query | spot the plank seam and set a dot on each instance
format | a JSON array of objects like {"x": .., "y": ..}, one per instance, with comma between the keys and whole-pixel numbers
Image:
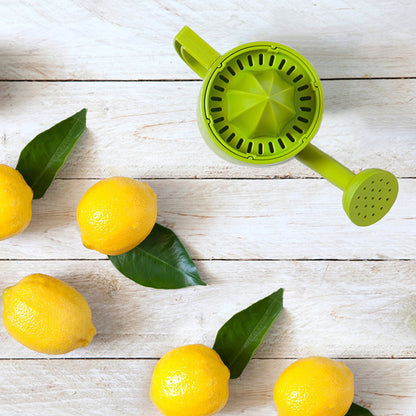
[
  {"x": 232, "y": 260},
  {"x": 191, "y": 79},
  {"x": 158, "y": 358},
  {"x": 209, "y": 178}
]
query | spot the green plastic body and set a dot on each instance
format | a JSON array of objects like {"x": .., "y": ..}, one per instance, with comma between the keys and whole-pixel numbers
[
  {"x": 252, "y": 111},
  {"x": 261, "y": 103},
  {"x": 326, "y": 166},
  {"x": 368, "y": 195}
]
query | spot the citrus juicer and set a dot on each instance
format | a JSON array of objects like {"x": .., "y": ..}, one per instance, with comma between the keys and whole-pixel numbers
[{"x": 261, "y": 103}]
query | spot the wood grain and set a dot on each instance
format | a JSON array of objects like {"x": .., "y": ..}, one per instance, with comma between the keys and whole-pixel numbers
[
  {"x": 120, "y": 387},
  {"x": 334, "y": 308},
  {"x": 134, "y": 39},
  {"x": 349, "y": 294},
  {"x": 144, "y": 130},
  {"x": 234, "y": 219}
]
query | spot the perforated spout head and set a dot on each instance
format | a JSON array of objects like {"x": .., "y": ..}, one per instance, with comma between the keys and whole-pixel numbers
[{"x": 369, "y": 196}]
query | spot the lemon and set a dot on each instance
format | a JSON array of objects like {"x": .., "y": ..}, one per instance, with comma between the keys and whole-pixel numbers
[
  {"x": 190, "y": 381},
  {"x": 314, "y": 386},
  {"x": 47, "y": 315},
  {"x": 15, "y": 202},
  {"x": 116, "y": 214}
]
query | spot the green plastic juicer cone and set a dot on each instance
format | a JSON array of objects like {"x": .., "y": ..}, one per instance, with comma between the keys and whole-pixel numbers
[{"x": 261, "y": 103}]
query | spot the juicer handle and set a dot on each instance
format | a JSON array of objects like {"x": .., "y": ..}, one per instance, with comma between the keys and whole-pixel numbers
[
  {"x": 196, "y": 53},
  {"x": 326, "y": 166}
]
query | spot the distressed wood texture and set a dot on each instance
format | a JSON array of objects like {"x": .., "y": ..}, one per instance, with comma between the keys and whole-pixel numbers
[
  {"x": 83, "y": 39},
  {"x": 349, "y": 291},
  {"x": 234, "y": 219},
  {"x": 121, "y": 387},
  {"x": 149, "y": 129},
  {"x": 345, "y": 309}
]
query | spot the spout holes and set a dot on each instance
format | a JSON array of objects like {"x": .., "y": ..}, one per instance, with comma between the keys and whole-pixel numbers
[
  {"x": 290, "y": 137},
  {"x": 282, "y": 63},
  {"x": 271, "y": 60},
  {"x": 290, "y": 70},
  {"x": 250, "y": 60},
  {"x": 230, "y": 137},
  {"x": 240, "y": 64}
]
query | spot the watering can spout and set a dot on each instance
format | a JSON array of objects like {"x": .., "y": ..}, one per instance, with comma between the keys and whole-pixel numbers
[
  {"x": 368, "y": 196},
  {"x": 326, "y": 166}
]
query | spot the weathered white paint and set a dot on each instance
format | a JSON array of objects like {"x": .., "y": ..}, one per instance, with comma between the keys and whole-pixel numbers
[
  {"x": 121, "y": 387},
  {"x": 334, "y": 308},
  {"x": 234, "y": 219},
  {"x": 149, "y": 129},
  {"x": 361, "y": 311},
  {"x": 83, "y": 39}
]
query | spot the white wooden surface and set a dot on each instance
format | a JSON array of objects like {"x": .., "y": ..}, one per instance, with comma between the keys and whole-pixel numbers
[{"x": 349, "y": 292}]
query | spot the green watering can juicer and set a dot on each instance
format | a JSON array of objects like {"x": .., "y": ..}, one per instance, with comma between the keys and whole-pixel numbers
[{"x": 261, "y": 104}]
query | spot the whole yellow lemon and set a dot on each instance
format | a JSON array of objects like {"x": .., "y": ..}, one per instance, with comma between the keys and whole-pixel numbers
[
  {"x": 47, "y": 315},
  {"x": 314, "y": 386},
  {"x": 190, "y": 381},
  {"x": 15, "y": 202},
  {"x": 116, "y": 214}
]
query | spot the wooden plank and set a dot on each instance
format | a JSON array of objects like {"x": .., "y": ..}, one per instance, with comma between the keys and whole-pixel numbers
[
  {"x": 149, "y": 129},
  {"x": 238, "y": 219},
  {"x": 134, "y": 40},
  {"x": 335, "y": 308},
  {"x": 35, "y": 388}
]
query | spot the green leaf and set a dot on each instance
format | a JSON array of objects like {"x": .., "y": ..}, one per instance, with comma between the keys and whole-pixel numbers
[
  {"x": 356, "y": 410},
  {"x": 42, "y": 159},
  {"x": 160, "y": 261},
  {"x": 239, "y": 338}
]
